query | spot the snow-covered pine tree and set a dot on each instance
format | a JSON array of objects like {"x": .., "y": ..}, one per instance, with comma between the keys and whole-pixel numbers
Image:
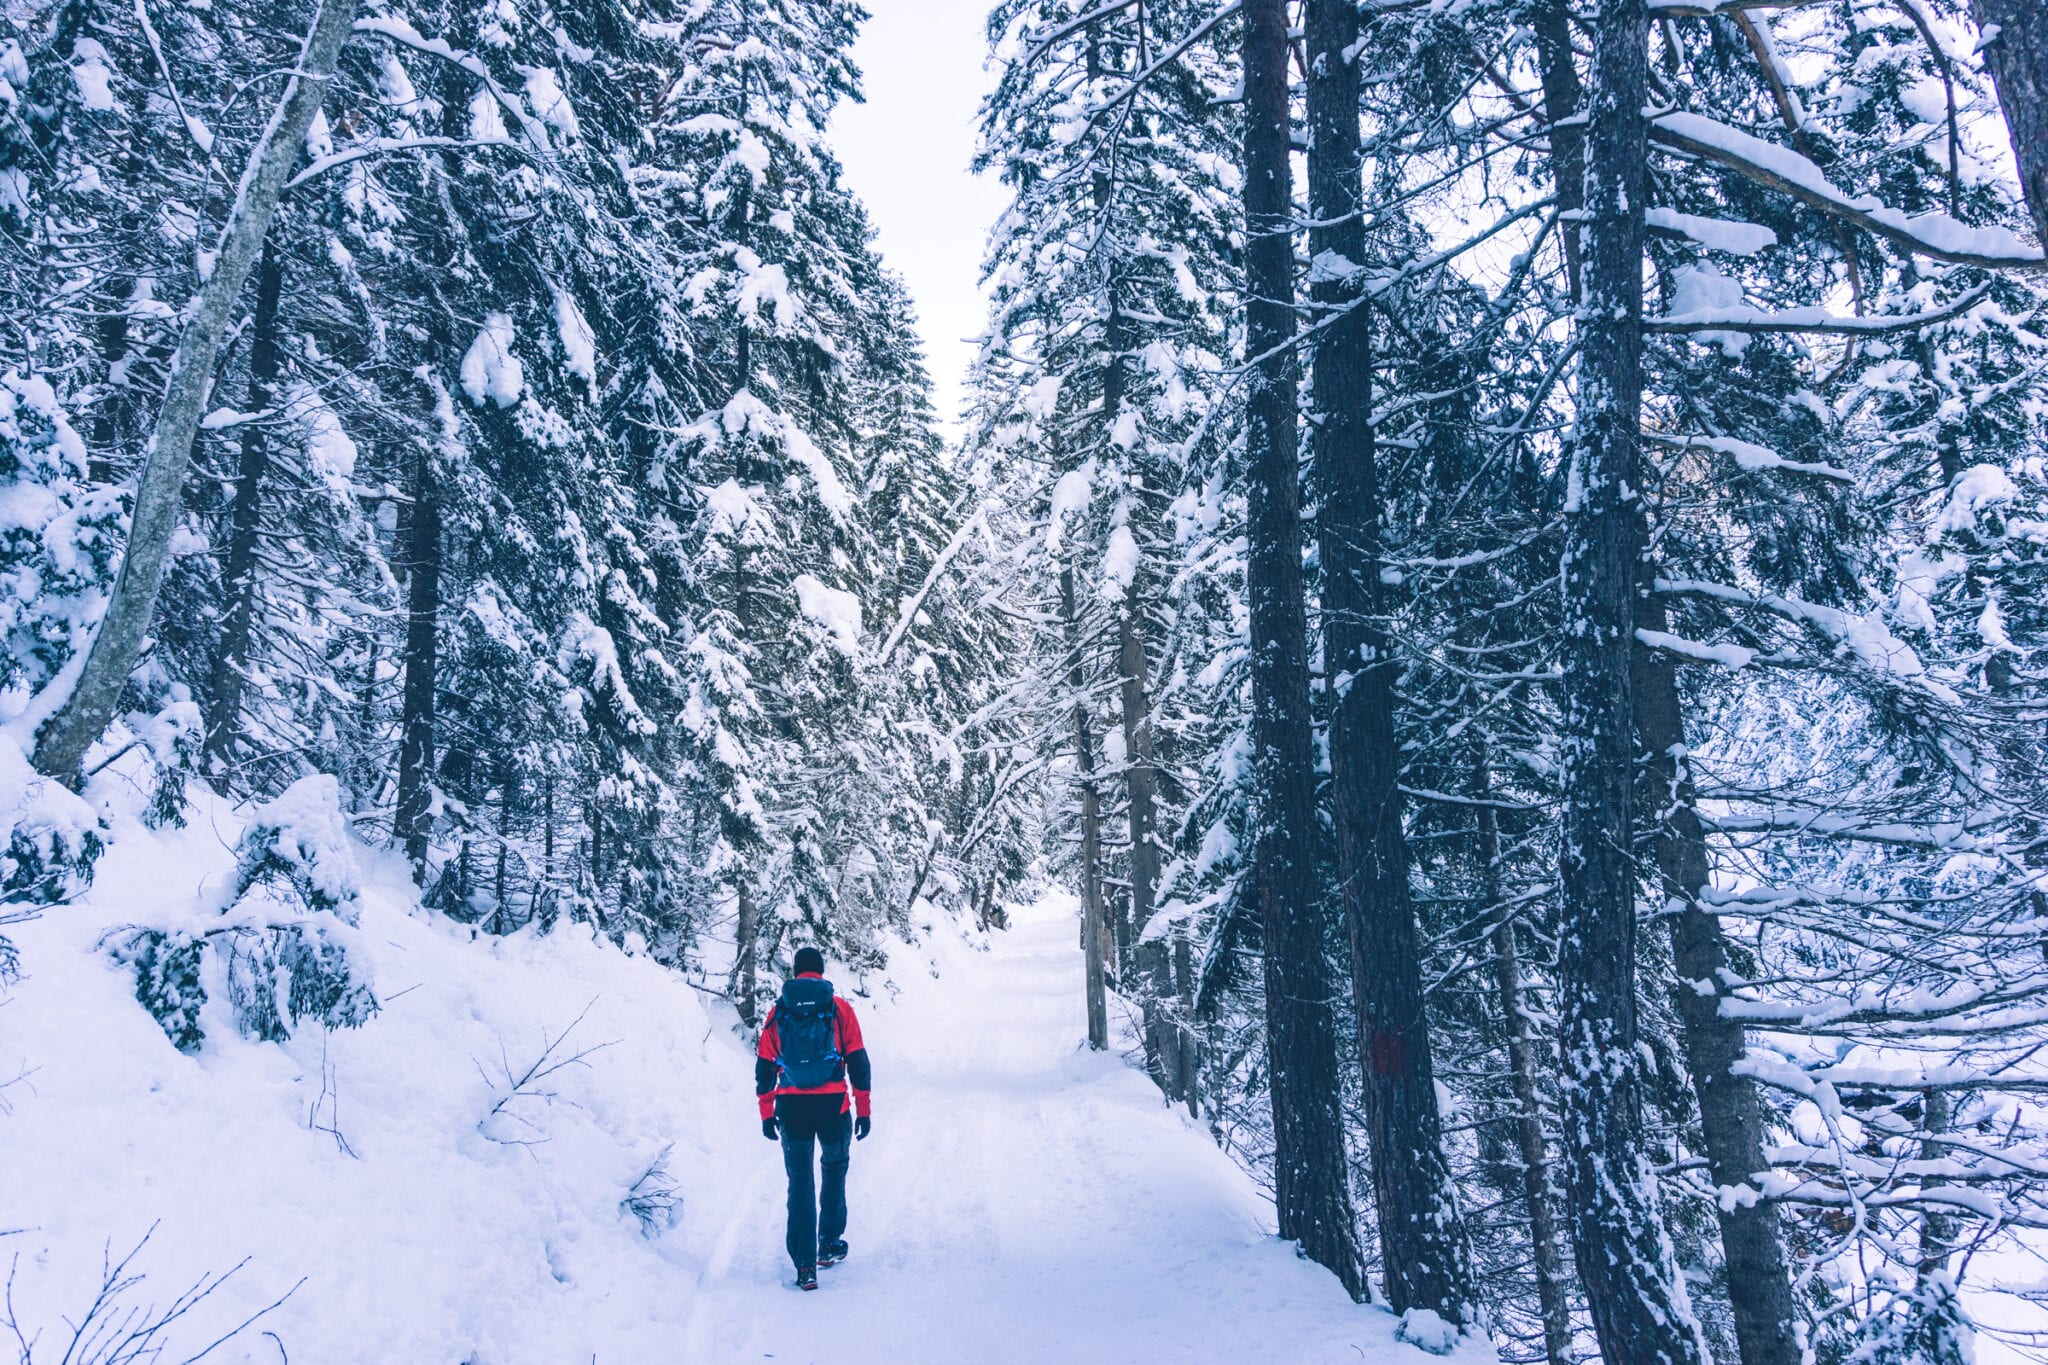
[{"x": 1113, "y": 280}]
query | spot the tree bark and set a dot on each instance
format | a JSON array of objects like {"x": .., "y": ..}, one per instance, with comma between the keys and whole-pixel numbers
[
  {"x": 746, "y": 954},
  {"x": 2018, "y": 58},
  {"x": 1094, "y": 932},
  {"x": 1551, "y": 21},
  {"x": 412, "y": 819},
  {"x": 1310, "y": 1167},
  {"x": 1731, "y": 1114},
  {"x": 1141, "y": 790},
  {"x": 1422, "y": 1250},
  {"x": 1538, "y": 1192},
  {"x": 245, "y": 521},
  {"x": 1939, "y": 1227},
  {"x": 82, "y": 715},
  {"x": 1638, "y": 1305}
]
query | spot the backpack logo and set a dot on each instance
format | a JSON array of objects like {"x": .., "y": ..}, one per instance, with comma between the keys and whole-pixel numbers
[{"x": 806, "y": 1020}]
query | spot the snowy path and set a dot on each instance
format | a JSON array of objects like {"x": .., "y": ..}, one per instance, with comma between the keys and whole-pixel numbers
[
  {"x": 1024, "y": 1201},
  {"x": 1021, "y": 1200}
]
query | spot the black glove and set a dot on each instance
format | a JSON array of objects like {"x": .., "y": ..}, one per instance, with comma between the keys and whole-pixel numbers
[
  {"x": 862, "y": 1126},
  {"x": 768, "y": 1129}
]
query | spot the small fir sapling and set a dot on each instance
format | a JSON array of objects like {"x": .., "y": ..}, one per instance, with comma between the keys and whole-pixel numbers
[
  {"x": 277, "y": 974},
  {"x": 167, "y": 984}
]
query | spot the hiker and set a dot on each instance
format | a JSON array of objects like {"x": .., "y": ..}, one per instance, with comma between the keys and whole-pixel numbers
[{"x": 810, "y": 1048}]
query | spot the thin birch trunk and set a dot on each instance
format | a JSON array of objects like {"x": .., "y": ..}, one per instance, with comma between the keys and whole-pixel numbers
[{"x": 159, "y": 495}]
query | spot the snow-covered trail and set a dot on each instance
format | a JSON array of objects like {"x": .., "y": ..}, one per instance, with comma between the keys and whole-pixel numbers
[{"x": 1023, "y": 1200}]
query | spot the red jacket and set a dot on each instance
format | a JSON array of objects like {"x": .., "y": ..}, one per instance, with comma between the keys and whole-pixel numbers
[{"x": 855, "y": 1067}]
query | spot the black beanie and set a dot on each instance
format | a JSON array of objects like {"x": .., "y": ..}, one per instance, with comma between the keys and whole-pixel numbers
[{"x": 809, "y": 960}]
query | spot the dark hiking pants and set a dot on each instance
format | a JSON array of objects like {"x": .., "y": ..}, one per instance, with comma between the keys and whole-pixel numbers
[{"x": 817, "y": 1214}]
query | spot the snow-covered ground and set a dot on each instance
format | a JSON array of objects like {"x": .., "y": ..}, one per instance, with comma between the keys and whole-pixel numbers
[{"x": 1020, "y": 1200}]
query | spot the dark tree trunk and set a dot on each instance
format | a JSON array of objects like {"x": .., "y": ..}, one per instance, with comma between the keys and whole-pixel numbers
[
  {"x": 1421, "y": 1235},
  {"x": 1551, "y": 22},
  {"x": 245, "y": 522},
  {"x": 113, "y": 330},
  {"x": 1524, "y": 1059},
  {"x": 1731, "y": 1114},
  {"x": 1141, "y": 788},
  {"x": 1939, "y": 1230},
  {"x": 746, "y": 955},
  {"x": 1190, "y": 1039},
  {"x": 412, "y": 822},
  {"x": 367, "y": 784},
  {"x": 1130, "y": 919},
  {"x": 1095, "y": 943},
  {"x": 2018, "y": 58},
  {"x": 1623, "y": 1255},
  {"x": 1309, "y": 1163}
]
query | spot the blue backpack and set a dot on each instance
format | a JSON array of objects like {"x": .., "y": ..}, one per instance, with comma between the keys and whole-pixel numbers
[{"x": 807, "y": 1021}]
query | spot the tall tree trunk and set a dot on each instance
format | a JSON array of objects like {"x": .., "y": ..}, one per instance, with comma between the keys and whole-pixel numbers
[
  {"x": 1141, "y": 789},
  {"x": 1551, "y": 22},
  {"x": 82, "y": 714},
  {"x": 1422, "y": 1249},
  {"x": 1095, "y": 941},
  {"x": 113, "y": 330},
  {"x": 1639, "y": 1310},
  {"x": 1310, "y": 1167},
  {"x": 1524, "y": 1060},
  {"x": 412, "y": 821},
  {"x": 2018, "y": 58},
  {"x": 1731, "y": 1114},
  {"x": 1939, "y": 1228},
  {"x": 746, "y": 956},
  {"x": 367, "y": 783},
  {"x": 245, "y": 522}
]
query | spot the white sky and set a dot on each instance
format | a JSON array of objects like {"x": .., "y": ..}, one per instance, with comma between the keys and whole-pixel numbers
[{"x": 906, "y": 153}]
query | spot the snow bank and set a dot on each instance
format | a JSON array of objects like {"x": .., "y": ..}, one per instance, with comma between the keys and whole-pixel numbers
[
  {"x": 361, "y": 1159},
  {"x": 408, "y": 1197}
]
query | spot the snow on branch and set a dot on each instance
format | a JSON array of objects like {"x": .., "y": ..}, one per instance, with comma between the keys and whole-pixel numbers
[
  {"x": 1750, "y": 456},
  {"x": 1780, "y": 168},
  {"x": 1706, "y": 9},
  {"x": 1168, "y": 58},
  {"x": 907, "y": 613},
  {"x": 1042, "y": 43},
  {"x": 384, "y": 146},
  {"x": 1731, "y": 235},
  {"x": 1743, "y": 318},
  {"x": 1730, "y": 657},
  {"x": 1866, "y": 638},
  {"x": 403, "y": 33}
]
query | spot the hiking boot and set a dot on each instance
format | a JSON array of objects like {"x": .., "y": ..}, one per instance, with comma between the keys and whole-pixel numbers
[
  {"x": 831, "y": 1253},
  {"x": 807, "y": 1277}
]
